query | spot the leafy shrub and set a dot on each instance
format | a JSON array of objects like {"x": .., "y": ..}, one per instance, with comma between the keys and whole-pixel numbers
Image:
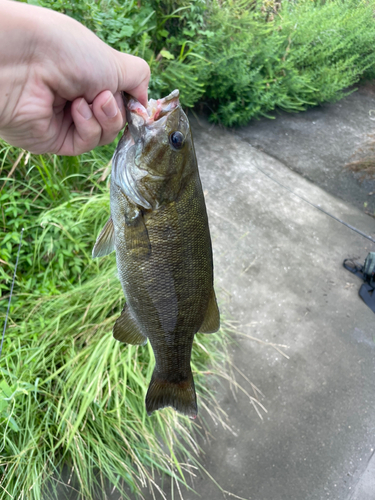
[
  {"x": 308, "y": 54},
  {"x": 244, "y": 58}
]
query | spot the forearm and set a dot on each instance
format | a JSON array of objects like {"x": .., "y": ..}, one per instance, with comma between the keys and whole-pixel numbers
[{"x": 18, "y": 23}]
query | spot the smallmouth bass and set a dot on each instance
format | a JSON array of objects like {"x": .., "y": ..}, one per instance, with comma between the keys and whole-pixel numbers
[{"x": 159, "y": 230}]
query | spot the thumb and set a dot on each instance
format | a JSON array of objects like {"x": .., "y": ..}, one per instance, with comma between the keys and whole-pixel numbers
[{"x": 133, "y": 75}]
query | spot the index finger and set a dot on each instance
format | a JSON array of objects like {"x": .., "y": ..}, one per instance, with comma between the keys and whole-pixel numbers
[{"x": 134, "y": 75}]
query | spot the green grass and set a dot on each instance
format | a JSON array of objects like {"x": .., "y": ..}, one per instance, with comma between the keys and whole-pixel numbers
[
  {"x": 70, "y": 395},
  {"x": 50, "y": 197}
]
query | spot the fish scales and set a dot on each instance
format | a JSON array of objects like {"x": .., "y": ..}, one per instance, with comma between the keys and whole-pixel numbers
[{"x": 163, "y": 250}]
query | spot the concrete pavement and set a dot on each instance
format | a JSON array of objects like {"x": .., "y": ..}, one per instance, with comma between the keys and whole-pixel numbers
[
  {"x": 281, "y": 261},
  {"x": 319, "y": 142}
]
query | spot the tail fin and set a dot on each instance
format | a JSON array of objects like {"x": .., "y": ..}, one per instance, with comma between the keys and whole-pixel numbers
[{"x": 180, "y": 395}]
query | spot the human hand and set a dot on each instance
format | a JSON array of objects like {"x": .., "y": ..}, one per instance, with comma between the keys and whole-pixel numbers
[{"x": 60, "y": 84}]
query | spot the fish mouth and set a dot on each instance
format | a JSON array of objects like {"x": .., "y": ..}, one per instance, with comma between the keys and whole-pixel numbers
[
  {"x": 137, "y": 115},
  {"x": 143, "y": 122}
]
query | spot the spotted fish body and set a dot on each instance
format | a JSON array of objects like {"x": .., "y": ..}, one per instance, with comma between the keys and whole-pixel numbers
[{"x": 160, "y": 232}]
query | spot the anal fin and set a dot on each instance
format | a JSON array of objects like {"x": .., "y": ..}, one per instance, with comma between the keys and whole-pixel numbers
[
  {"x": 127, "y": 330},
  {"x": 211, "y": 322}
]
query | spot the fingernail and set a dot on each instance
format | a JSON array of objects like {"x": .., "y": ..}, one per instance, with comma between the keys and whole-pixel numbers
[
  {"x": 84, "y": 109},
  {"x": 110, "y": 108}
]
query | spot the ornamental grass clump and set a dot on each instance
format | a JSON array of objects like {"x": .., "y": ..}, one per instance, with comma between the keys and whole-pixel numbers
[{"x": 71, "y": 395}]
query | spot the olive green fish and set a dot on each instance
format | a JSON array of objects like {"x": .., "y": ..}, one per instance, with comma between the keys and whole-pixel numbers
[{"x": 159, "y": 229}]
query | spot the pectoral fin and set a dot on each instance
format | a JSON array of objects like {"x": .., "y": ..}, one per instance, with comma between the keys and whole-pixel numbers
[
  {"x": 127, "y": 330},
  {"x": 211, "y": 322},
  {"x": 136, "y": 236},
  {"x": 105, "y": 244}
]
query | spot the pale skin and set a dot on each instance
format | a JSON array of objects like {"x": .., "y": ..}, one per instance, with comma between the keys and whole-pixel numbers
[{"x": 60, "y": 84}]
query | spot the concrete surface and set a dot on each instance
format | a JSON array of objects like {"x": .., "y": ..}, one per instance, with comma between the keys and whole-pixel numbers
[
  {"x": 279, "y": 277},
  {"x": 319, "y": 142},
  {"x": 281, "y": 261}
]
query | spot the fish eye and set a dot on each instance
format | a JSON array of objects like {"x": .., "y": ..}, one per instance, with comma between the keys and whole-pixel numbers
[{"x": 177, "y": 139}]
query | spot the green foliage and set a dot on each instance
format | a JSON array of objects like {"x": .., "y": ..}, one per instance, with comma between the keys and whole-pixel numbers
[
  {"x": 308, "y": 54},
  {"x": 70, "y": 394},
  {"x": 44, "y": 195},
  {"x": 242, "y": 58}
]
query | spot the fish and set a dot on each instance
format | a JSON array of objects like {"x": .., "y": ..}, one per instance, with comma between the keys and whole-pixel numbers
[{"x": 159, "y": 230}]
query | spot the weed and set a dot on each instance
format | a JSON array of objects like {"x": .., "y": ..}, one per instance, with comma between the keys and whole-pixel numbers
[{"x": 73, "y": 395}]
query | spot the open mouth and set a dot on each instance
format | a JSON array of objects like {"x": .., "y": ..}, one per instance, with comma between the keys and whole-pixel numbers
[{"x": 156, "y": 108}]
